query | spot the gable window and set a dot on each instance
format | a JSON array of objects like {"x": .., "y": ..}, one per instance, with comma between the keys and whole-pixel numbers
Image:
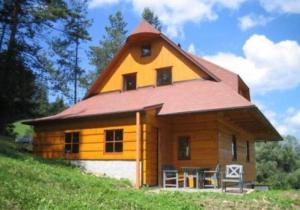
[
  {"x": 234, "y": 148},
  {"x": 129, "y": 81},
  {"x": 72, "y": 142},
  {"x": 114, "y": 140},
  {"x": 184, "y": 148},
  {"x": 248, "y": 151},
  {"x": 164, "y": 76},
  {"x": 145, "y": 50}
]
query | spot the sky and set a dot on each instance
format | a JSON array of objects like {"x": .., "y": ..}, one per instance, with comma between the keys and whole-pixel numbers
[{"x": 258, "y": 39}]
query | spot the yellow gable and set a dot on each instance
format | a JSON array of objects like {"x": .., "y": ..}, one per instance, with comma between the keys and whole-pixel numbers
[{"x": 162, "y": 55}]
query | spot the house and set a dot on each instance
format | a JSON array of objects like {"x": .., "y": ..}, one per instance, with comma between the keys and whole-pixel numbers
[{"x": 156, "y": 104}]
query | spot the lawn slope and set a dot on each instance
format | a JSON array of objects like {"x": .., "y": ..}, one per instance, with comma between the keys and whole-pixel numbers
[{"x": 32, "y": 183}]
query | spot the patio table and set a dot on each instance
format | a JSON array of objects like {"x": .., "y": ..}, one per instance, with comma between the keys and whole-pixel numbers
[{"x": 192, "y": 173}]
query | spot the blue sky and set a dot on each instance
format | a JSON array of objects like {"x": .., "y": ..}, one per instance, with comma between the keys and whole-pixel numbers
[{"x": 259, "y": 39}]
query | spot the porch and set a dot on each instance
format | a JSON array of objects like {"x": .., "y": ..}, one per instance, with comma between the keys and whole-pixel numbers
[{"x": 198, "y": 140}]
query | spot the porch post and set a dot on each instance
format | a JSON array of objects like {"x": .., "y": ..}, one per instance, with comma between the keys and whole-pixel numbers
[{"x": 138, "y": 151}]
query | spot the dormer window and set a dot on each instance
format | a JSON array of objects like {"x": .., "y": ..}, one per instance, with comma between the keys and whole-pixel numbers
[
  {"x": 164, "y": 76},
  {"x": 145, "y": 50},
  {"x": 129, "y": 81}
]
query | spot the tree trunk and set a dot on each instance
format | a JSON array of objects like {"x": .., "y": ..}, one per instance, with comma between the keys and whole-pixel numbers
[
  {"x": 13, "y": 31},
  {"x": 2, "y": 35},
  {"x": 76, "y": 70}
]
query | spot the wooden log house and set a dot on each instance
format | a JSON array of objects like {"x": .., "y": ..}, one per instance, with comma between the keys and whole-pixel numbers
[{"x": 157, "y": 104}]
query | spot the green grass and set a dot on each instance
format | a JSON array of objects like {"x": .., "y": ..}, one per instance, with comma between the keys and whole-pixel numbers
[
  {"x": 32, "y": 183},
  {"x": 21, "y": 129}
]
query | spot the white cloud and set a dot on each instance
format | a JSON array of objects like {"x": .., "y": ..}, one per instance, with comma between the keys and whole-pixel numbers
[
  {"x": 281, "y": 6},
  {"x": 295, "y": 119},
  {"x": 101, "y": 3},
  {"x": 174, "y": 14},
  {"x": 287, "y": 122},
  {"x": 192, "y": 48},
  {"x": 231, "y": 4},
  {"x": 249, "y": 21},
  {"x": 265, "y": 65}
]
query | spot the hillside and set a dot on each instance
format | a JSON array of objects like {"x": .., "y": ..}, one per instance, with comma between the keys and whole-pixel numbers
[{"x": 32, "y": 183}]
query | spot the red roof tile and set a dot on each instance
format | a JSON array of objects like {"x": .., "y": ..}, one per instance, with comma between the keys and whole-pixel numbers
[
  {"x": 225, "y": 75},
  {"x": 144, "y": 27},
  {"x": 181, "y": 97}
]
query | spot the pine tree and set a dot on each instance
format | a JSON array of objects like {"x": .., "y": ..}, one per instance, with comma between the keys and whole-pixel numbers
[
  {"x": 67, "y": 47},
  {"x": 112, "y": 40},
  {"x": 26, "y": 26},
  {"x": 57, "y": 106},
  {"x": 40, "y": 100},
  {"x": 152, "y": 18}
]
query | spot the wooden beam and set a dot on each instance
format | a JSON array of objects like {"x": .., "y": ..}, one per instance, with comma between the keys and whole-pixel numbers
[
  {"x": 233, "y": 126},
  {"x": 138, "y": 151}
]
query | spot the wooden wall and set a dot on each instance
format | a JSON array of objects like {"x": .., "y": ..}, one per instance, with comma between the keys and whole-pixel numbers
[
  {"x": 225, "y": 154},
  {"x": 157, "y": 134},
  {"x": 49, "y": 139},
  {"x": 202, "y": 128},
  {"x": 210, "y": 142},
  {"x": 162, "y": 55}
]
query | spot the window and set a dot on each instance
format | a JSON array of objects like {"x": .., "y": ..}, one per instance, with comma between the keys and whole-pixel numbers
[
  {"x": 129, "y": 81},
  {"x": 248, "y": 151},
  {"x": 146, "y": 50},
  {"x": 114, "y": 140},
  {"x": 164, "y": 76},
  {"x": 233, "y": 148},
  {"x": 184, "y": 150},
  {"x": 72, "y": 142}
]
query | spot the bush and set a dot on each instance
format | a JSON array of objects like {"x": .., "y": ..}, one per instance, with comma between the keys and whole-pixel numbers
[
  {"x": 294, "y": 179},
  {"x": 278, "y": 163}
]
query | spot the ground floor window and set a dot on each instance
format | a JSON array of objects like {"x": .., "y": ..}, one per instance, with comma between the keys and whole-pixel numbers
[
  {"x": 114, "y": 140},
  {"x": 184, "y": 148},
  {"x": 72, "y": 142},
  {"x": 234, "y": 148},
  {"x": 248, "y": 151}
]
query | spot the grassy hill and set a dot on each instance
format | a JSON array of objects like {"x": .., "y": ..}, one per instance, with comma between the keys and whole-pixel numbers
[
  {"x": 32, "y": 183},
  {"x": 21, "y": 129}
]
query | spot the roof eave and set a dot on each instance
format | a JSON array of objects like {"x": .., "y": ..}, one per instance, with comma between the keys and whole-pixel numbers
[
  {"x": 208, "y": 110},
  {"x": 278, "y": 136},
  {"x": 38, "y": 121}
]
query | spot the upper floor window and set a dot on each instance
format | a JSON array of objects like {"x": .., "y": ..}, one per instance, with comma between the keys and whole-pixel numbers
[
  {"x": 72, "y": 142},
  {"x": 129, "y": 81},
  {"x": 146, "y": 50},
  {"x": 247, "y": 151},
  {"x": 164, "y": 76},
  {"x": 184, "y": 149},
  {"x": 234, "y": 148},
  {"x": 114, "y": 140}
]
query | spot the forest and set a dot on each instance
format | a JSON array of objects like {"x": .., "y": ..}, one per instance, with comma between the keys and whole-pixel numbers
[{"x": 40, "y": 41}]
